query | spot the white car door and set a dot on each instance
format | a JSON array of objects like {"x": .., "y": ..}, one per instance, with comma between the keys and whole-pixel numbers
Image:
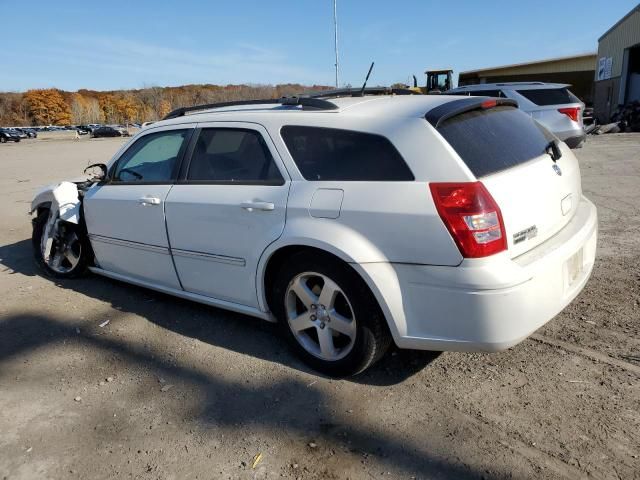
[
  {"x": 125, "y": 215},
  {"x": 228, "y": 207}
]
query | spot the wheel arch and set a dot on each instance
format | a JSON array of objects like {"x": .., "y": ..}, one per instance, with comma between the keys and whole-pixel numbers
[{"x": 383, "y": 292}]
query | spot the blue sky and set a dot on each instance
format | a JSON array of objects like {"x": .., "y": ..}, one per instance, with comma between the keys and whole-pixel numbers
[{"x": 113, "y": 44}]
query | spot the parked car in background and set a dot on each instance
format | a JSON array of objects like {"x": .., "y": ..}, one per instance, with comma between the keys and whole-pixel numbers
[
  {"x": 105, "y": 132},
  {"x": 7, "y": 135},
  {"x": 435, "y": 222},
  {"x": 124, "y": 131},
  {"x": 18, "y": 132},
  {"x": 30, "y": 132},
  {"x": 551, "y": 104},
  {"x": 83, "y": 129}
]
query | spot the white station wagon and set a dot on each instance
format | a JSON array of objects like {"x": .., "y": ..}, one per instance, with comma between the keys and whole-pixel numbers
[{"x": 434, "y": 222}]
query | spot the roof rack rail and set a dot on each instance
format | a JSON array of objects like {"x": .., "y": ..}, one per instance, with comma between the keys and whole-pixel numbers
[
  {"x": 358, "y": 92},
  {"x": 304, "y": 102}
]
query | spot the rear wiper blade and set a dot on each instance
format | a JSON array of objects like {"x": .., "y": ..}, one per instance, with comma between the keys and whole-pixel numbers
[{"x": 553, "y": 150}]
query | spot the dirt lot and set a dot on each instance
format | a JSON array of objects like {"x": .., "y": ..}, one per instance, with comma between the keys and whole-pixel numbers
[{"x": 171, "y": 390}]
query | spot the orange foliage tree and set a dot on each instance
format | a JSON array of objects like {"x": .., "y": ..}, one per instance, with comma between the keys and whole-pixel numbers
[{"x": 48, "y": 107}]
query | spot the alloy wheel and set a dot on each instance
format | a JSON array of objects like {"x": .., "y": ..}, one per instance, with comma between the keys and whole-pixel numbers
[
  {"x": 60, "y": 247},
  {"x": 320, "y": 316}
]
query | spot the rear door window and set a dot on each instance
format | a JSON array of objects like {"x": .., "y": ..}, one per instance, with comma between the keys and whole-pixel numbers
[
  {"x": 495, "y": 139},
  {"x": 549, "y": 96},
  {"x": 233, "y": 155},
  {"x": 323, "y": 154}
]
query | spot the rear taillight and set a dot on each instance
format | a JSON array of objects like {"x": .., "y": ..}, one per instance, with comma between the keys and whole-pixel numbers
[
  {"x": 571, "y": 112},
  {"x": 472, "y": 217}
]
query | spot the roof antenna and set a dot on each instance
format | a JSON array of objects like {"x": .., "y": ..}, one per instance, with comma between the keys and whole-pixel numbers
[{"x": 361, "y": 93}]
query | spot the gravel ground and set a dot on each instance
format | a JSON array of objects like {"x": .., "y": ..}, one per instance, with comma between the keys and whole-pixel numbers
[{"x": 169, "y": 389}]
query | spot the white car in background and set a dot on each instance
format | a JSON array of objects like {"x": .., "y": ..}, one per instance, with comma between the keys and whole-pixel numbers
[
  {"x": 434, "y": 222},
  {"x": 551, "y": 104}
]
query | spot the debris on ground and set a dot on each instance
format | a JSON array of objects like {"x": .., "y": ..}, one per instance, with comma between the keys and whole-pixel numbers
[
  {"x": 256, "y": 460},
  {"x": 104, "y": 324},
  {"x": 628, "y": 116}
]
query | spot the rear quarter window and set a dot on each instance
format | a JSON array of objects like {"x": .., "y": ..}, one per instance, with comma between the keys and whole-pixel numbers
[
  {"x": 492, "y": 140},
  {"x": 324, "y": 154},
  {"x": 549, "y": 96}
]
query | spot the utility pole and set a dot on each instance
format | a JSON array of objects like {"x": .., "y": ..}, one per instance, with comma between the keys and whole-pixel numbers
[{"x": 335, "y": 37}]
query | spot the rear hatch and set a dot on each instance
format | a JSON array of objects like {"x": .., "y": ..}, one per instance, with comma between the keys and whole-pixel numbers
[
  {"x": 506, "y": 150},
  {"x": 554, "y": 106}
]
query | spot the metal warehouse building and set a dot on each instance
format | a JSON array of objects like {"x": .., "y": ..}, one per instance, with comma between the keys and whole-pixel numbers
[
  {"x": 577, "y": 70},
  {"x": 617, "y": 77}
]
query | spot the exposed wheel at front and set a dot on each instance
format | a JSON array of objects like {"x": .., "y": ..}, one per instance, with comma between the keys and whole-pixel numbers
[
  {"x": 329, "y": 315},
  {"x": 60, "y": 249}
]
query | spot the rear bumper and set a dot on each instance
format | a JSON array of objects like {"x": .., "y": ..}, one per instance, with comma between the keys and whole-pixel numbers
[
  {"x": 488, "y": 304},
  {"x": 576, "y": 141}
]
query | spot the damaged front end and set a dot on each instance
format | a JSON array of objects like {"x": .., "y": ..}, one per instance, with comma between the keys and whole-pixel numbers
[{"x": 58, "y": 218}]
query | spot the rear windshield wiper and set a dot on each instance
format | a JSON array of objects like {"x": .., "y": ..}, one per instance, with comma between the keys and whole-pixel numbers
[{"x": 553, "y": 150}]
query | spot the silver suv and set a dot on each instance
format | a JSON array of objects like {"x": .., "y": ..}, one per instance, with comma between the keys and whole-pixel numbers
[{"x": 551, "y": 104}]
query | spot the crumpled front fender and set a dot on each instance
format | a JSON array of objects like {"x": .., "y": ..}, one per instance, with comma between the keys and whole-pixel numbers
[{"x": 63, "y": 199}]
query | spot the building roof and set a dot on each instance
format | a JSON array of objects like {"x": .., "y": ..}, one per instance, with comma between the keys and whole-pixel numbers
[
  {"x": 615, "y": 25},
  {"x": 535, "y": 62}
]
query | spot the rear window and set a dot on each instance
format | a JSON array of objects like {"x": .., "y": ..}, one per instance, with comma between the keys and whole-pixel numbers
[
  {"x": 549, "y": 96},
  {"x": 333, "y": 154},
  {"x": 495, "y": 139}
]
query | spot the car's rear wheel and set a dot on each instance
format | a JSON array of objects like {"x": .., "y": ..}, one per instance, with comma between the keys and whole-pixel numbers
[
  {"x": 60, "y": 249},
  {"x": 328, "y": 314}
]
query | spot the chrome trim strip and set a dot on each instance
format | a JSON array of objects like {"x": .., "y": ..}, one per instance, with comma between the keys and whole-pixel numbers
[
  {"x": 130, "y": 244},
  {"x": 209, "y": 256},
  {"x": 241, "y": 262}
]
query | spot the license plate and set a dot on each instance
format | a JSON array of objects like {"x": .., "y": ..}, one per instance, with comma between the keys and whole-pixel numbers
[{"x": 574, "y": 267}]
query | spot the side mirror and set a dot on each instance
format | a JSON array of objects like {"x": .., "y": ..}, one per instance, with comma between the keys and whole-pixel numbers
[{"x": 97, "y": 175}]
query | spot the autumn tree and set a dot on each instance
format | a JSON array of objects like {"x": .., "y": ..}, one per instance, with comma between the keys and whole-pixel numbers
[
  {"x": 52, "y": 106},
  {"x": 48, "y": 107}
]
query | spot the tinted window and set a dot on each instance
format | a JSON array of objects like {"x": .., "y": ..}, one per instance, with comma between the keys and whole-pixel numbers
[
  {"x": 332, "y": 154},
  {"x": 549, "y": 96},
  {"x": 495, "y": 139},
  {"x": 152, "y": 158},
  {"x": 232, "y": 155}
]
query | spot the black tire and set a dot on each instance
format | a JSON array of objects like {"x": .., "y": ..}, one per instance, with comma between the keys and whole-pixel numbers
[
  {"x": 372, "y": 338},
  {"x": 85, "y": 252},
  {"x": 3, "y": 140}
]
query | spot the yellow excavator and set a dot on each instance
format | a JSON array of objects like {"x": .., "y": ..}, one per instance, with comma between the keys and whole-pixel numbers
[{"x": 438, "y": 81}]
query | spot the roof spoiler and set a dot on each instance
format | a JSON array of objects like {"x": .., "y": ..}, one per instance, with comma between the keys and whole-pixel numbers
[{"x": 457, "y": 107}]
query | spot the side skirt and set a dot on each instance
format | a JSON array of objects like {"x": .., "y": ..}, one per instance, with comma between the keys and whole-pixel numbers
[{"x": 213, "y": 302}]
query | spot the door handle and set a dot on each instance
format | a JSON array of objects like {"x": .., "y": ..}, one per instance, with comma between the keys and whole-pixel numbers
[
  {"x": 149, "y": 201},
  {"x": 258, "y": 205}
]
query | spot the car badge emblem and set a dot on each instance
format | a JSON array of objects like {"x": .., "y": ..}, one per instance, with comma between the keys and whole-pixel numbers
[{"x": 556, "y": 169}]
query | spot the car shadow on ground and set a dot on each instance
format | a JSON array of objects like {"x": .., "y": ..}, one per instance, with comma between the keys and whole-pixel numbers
[
  {"x": 229, "y": 330},
  {"x": 223, "y": 404}
]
